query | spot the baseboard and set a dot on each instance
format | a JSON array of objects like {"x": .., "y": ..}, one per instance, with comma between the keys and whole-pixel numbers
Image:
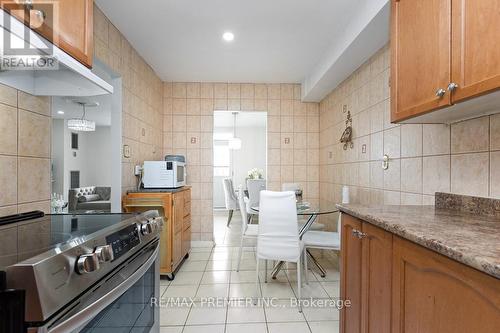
[{"x": 202, "y": 243}]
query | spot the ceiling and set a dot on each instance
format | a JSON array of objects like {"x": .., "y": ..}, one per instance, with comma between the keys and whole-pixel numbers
[
  {"x": 275, "y": 41},
  {"x": 101, "y": 114}
]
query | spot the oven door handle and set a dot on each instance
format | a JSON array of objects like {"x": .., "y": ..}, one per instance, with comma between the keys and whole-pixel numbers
[{"x": 88, "y": 313}]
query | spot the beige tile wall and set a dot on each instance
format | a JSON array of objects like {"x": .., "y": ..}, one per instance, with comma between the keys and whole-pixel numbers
[
  {"x": 25, "y": 131},
  {"x": 462, "y": 158},
  {"x": 142, "y": 116},
  {"x": 188, "y": 127},
  {"x": 25, "y": 125}
]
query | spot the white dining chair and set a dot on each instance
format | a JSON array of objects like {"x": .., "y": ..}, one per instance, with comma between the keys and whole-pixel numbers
[
  {"x": 323, "y": 240},
  {"x": 248, "y": 231},
  {"x": 231, "y": 200},
  {"x": 278, "y": 233},
  {"x": 294, "y": 187},
  {"x": 254, "y": 187}
]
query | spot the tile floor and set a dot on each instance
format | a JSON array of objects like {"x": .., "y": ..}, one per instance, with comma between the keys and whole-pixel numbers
[{"x": 211, "y": 272}]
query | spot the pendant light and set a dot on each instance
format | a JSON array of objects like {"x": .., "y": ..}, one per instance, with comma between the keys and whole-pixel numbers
[
  {"x": 234, "y": 143},
  {"x": 82, "y": 124}
]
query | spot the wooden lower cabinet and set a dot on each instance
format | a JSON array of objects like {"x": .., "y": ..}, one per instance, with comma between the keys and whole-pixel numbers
[
  {"x": 366, "y": 257},
  {"x": 376, "y": 273},
  {"x": 434, "y": 294},
  {"x": 175, "y": 241},
  {"x": 397, "y": 286},
  {"x": 350, "y": 275}
]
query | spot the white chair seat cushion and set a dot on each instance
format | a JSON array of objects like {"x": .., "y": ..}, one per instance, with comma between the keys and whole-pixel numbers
[
  {"x": 252, "y": 230},
  {"x": 281, "y": 254},
  {"x": 321, "y": 239}
]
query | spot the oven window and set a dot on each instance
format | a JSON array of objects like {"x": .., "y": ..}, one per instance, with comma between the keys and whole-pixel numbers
[
  {"x": 180, "y": 174},
  {"x": 131, "y": 312}
]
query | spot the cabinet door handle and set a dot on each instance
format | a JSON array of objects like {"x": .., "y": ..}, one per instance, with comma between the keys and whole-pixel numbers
[
  {"x": 359, "y": 234},
  {"x": 452, "y": 87},
  {"x": 440, "y": 92}
]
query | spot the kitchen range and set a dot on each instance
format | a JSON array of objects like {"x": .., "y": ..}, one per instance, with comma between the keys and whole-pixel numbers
[{"x": 82, "y": 273}]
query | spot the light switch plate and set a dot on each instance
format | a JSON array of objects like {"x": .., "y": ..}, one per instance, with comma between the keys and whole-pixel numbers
[{"x": 126, "y": 151}]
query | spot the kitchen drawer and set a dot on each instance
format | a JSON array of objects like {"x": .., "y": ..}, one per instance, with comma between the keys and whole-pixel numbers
[
  {"x": 186, "y": 241},
  {"x": 187, "y": 222},
  {"x": 187, "y": 202},
  {"x": 187, "y": 208}
]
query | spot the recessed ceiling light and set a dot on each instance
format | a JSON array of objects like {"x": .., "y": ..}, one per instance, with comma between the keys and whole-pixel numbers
[
  {"x": 60, "y": 112},
  {"x": 228, "y": 36}
]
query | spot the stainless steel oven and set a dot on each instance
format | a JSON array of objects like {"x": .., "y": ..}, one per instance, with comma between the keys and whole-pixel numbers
[
  {"x": 103, "y": 278},
  {"x": 123, "y": 302}
]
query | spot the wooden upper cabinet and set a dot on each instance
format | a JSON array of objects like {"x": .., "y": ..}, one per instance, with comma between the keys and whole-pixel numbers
[
  {"x": 75, "y": 31},
  {"x": 68, "y": 24},
  {"x": 421, "y": 56},
  {"x": 452, "y": 45},
  {"x": 476, "y": 47}
]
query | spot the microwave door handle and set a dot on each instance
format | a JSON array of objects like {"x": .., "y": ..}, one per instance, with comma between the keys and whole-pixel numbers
[{"x": 84, "y": 316}]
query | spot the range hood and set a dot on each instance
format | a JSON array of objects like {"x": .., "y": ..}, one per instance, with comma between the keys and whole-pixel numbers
[{"x": 71, "y": 78}]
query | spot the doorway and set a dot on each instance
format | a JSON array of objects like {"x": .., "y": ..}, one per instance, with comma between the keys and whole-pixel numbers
[{"x": 239, "y": 146}]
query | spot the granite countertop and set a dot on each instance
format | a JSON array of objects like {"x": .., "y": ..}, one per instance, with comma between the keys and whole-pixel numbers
[
  {"x": 471, "y": 239},
  {"x": 159, "y": 190}
]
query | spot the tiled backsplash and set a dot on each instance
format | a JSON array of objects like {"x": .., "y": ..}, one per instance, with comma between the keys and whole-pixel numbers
[
  {"x": 25, "y": 129},
  {"x": 293, "y": 137},
  {"x": 463, "y": 158}
]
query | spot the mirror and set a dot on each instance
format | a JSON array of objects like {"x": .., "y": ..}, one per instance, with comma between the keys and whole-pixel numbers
[{"x": 86, "y": 154}]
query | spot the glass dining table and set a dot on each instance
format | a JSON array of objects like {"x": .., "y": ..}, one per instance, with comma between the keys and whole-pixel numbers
[{"x": 311, "y": 211}]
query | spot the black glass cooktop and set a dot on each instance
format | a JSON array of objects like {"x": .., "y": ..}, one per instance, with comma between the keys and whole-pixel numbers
[
  {"x": 64, "y": 228},
  {"x": 30, "y": 238}
]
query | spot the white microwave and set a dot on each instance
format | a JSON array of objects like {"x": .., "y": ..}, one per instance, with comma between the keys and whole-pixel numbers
[{"x": 164, "y": 174}]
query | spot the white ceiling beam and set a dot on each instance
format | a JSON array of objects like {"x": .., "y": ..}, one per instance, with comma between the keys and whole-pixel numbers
[{"x": 365, "y": 35}]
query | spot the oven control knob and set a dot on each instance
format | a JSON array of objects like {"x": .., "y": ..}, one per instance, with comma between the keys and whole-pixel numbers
[
  {"x": 87, "y": 263},
  {"x": 146, "y": 228},
  {"x": 104, "y": 253},
  {"x": 158, "y": 221},
  {"x": 153, "y": 224}
]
